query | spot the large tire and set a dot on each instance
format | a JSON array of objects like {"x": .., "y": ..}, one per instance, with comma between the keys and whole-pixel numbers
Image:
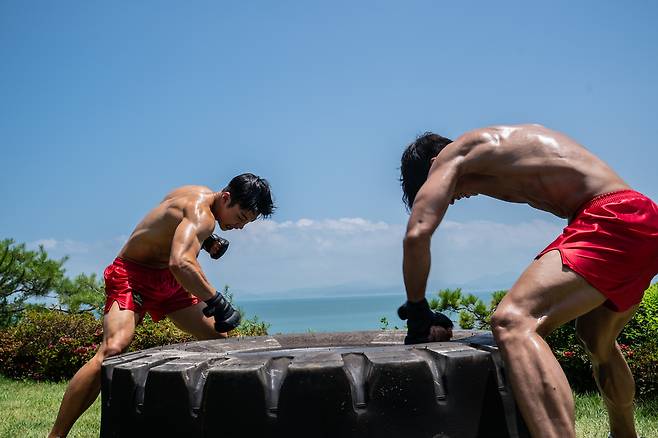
[{"x": 358, "y": 384}]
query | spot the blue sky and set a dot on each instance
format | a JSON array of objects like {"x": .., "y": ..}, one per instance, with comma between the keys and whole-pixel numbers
[{"x": 106, "y": 106}]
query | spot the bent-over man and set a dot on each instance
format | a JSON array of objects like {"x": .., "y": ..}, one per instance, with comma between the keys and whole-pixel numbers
[{"x": 595, "y": 272}]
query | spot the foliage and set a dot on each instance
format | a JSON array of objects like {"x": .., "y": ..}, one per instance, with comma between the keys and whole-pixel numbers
[
  {"x": 48, "y": 345},
  {"x": 84, "y": 293},
  {"x": 384, "y": 324},
  {"x": 643, "y": 361},
  {"x": 27, "y": 275},
  {"x": 644, "y": 325},
  {"x": 52, "y": 345},
  {"x": 638, "y": 341},
  {"x": 473, "y": 312},
  {"x": 572, "y": 358},
  {"x": 251, "y": 327},
  {"x": 150, "y": 334},
  {"x": 248, "y": 326},
  {"x": 24, "y": 274}
]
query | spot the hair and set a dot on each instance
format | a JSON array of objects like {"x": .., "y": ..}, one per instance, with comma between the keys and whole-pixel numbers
[
  {"x": 252, "y": 193},
  {"x": 416, "y": 162}
]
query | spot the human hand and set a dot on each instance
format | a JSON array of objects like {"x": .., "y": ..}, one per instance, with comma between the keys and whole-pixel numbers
[
  {"x": 421, "y": 321},
  {"x": 215, "y": 246},
  {"x": 226, "y": 317}
]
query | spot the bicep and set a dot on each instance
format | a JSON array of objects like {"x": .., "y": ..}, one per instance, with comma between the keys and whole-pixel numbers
[{"x": 187, "y": 240}]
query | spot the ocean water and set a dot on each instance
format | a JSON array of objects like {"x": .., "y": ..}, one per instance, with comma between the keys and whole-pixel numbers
[{"x": 329, "y": 314}]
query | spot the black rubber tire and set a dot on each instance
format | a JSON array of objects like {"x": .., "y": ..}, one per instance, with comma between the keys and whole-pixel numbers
[{"x": 357, "y": 384}]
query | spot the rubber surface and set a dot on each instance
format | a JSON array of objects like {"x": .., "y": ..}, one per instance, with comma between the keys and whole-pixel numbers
[{"x": 357, "y": 384}]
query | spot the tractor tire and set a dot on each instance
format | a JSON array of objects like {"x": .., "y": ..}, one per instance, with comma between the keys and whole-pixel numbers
[{"x": 356, "y": 384}]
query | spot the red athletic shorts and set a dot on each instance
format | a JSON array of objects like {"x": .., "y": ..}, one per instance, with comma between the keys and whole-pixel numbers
[
  {"x": 612, "y": 242},
  {"x": 142, "y": 289}
]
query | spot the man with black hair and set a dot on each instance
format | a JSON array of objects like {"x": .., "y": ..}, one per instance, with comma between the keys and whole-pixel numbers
[
  {"x": 157, "y": 272},
  {"x": 595, "y": 272}
]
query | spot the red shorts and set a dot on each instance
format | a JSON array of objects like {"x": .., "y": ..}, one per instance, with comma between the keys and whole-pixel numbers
[
  {"x": 142, "y": 289},
  {"x": 612, "y": 242}
]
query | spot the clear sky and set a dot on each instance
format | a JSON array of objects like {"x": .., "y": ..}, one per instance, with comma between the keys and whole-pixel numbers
[{"x": 106, "y": 106}]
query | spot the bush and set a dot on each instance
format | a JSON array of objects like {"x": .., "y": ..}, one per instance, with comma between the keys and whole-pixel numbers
[
  {"x": 644, "y": 325},
  {"x": 53, "y": 345},
  {"x": 638, "y": 341},
  {"x": 251, "y": 327},
  {"x": 150, "y": 334},
  {"x": 643, "y": 361},
  {"x": 48, "y": 345}
]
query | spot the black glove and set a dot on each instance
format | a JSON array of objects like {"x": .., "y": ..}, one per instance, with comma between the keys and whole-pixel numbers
[
  {"x": 215, "y": 245},
  {"x": 226, "y": 317},
  {"x": 420, "y": 318}
]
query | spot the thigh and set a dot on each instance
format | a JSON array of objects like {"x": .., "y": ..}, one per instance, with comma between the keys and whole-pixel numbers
[
  {"x": 118, "y": 328},
  {"x": 192, "y": 320},
  {"x": 549, "y": 294}
]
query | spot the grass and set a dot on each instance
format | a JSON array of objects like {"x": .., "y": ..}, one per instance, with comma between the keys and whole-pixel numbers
[
  {"x": 29, "y": 409},
  {"x": 592, "y": 419}
]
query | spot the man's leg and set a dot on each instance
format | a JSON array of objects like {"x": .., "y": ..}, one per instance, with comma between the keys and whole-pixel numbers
[
  {"x": 118, "y": 330},
  {"x": 597, "y": 331},
  {"x": 192, "y": 320},
  {"x": 546, "y": 296}
]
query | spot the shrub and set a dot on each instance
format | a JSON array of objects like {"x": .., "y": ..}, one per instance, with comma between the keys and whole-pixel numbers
[
  {"x": 644, "y": 325},
  {"x": 150, "y": 334},
  {"x": 643, "y": 362},
  {"x": 251, "y": 327},
  {"x": 49, "y": 345},
  {"x": 572, "y": 358},
  {"x": 53, "y": 345},
  {"x": 248, "y": 326},
  {"x": 638, "y": 340}
]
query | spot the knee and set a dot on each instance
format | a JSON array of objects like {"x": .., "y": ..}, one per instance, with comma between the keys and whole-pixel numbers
[
  {"x": 111, "y": 348},
  {"x": 512, "y": 322},
  {"x": 507, "y": 323}
]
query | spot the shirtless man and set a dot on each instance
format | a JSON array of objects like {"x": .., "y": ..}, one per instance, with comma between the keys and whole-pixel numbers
[
  {"x": 595, "y": 272},
  {"x": 157, "y": 271}
]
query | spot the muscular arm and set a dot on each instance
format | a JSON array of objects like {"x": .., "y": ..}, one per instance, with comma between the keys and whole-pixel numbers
[
  {"x": 428, "y": 210},
  {"x": 430, "y": 206},
  {"x": 187, "y": 241}
]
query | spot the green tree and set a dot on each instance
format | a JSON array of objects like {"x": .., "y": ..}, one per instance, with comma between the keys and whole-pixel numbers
[
  {"x": 27, "y": 275},
  {"x": 473, "y": 312},
  {"x": 24, "y": 274},
  {"x": 84, "y": 293}
]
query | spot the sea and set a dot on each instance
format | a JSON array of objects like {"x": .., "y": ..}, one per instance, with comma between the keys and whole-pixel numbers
[{"x": 331, "y": 314}]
